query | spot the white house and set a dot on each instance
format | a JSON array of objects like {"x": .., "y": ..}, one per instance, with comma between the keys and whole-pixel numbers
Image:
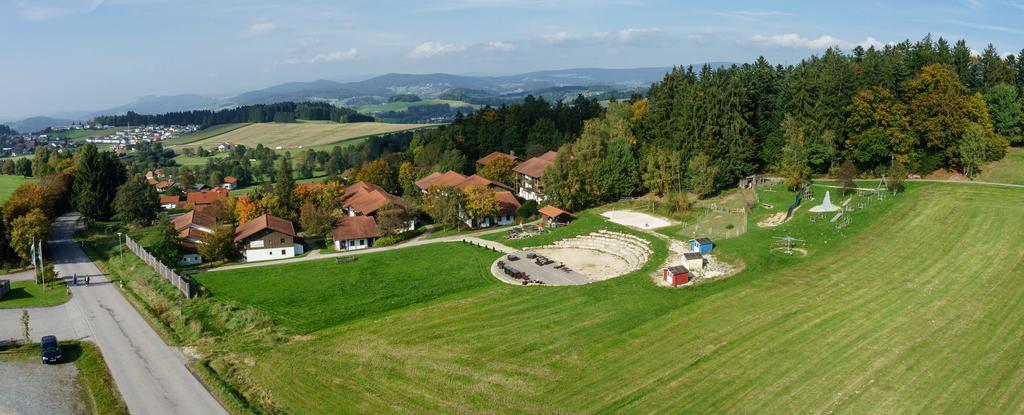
[
  {"x": 355, "y": 232},
  {"x": 267, "y": 237},
  {"x": 529, "y": 174}
]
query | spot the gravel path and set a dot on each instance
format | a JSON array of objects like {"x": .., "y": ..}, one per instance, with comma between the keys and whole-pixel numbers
[{"x": 31, "y": 388}]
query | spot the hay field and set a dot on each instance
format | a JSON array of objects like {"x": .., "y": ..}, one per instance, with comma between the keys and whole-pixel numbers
[{"x": 305, "y": 134}]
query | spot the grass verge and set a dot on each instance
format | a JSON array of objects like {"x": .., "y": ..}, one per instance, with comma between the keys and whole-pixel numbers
[{"x": 28, "y": 294}]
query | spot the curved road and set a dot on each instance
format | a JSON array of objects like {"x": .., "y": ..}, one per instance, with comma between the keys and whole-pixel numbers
[{"x": 151, "y": 376}]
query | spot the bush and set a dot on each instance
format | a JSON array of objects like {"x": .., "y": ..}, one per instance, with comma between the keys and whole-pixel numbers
[
  {"x": 389, "y": 240},
  {"x": 527, "y": 210}
]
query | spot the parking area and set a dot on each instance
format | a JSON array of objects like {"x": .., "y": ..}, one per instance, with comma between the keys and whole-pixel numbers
[{"x": 34, "y": 388}]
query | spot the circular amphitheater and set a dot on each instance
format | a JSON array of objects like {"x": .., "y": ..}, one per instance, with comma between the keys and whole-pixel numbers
[{"x": 579, "y": 260}]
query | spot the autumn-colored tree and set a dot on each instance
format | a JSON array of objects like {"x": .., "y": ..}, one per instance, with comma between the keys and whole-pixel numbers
[
  {"x": 26, "y": 198},
  {"x": 444, "y": 205},
  {"x": 306, "y": 194},
  {"x": 394, "y": 218},
  {"x": 331, "y": 195},
  {"x": 219, "y": 245},
  {"x": 895, "y": 176},
  {"x": 377, "y": 172},
  {"x": 407, "y": 178},
  {"x": 481, "y": 203},
  {"x": 500, "y": 170},
  {"x": 316, "y": 220},
  {"x": 31, "y": 226},
  {"x": 880, "y": 128},
  {"x": 247, "y": 209},
  {"x": 941, "y": 108}
]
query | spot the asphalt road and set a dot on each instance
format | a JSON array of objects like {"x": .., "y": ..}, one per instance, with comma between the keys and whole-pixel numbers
[{"x": 150, "y": 375}]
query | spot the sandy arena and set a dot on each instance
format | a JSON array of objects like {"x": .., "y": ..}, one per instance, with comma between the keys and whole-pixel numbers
[
  {"x": 596, "y": 265},
  {"x": 636, "y": 219}
]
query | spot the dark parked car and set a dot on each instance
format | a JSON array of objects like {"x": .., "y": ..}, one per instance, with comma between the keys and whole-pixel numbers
[{"x": 50, "y": 349}]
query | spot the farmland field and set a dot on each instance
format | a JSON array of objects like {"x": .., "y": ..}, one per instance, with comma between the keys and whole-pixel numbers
[
  {"x": 204, "y": 134},
  {"x": 892, "y": 314},
  {"x": 81, "y": 134},
  {"x": 9, "y": 183},
  {"x": 294, "y": 135},
  {"x": 403, "y": 106}
]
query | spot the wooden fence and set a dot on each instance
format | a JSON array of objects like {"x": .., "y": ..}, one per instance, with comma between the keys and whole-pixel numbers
[{"x": 184, "y": 284}]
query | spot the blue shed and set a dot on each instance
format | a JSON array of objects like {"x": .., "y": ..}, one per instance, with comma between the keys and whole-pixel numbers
[{"x": 702, "y": 245}]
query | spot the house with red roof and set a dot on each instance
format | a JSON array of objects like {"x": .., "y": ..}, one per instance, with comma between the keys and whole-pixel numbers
[
  {"x": 267, "y": 237},
  {"x": 191, "y": 228},
  {"x": 208, "y": 197},
  {"x": 169, "y": 202},
  {"x": 508, "y": 205},
  {"x": 529, "y": 173},
  {"x": 230, "y": 183},
  {"x": 367, "y": 199},
  {"x": 457, "y": 180},
  {"x": 163, "y": 186},
  {"x": 355, "y": 232},
  {"x": 485, "y": 160}
]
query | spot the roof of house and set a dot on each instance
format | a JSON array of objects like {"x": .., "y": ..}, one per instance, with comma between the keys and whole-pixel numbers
[
  {"x": 448, "y": 178},
  {"x": 151, "y": 180},
  {"x": 509, "y": 203},
  {"x": 205, "y": 198},
  {"x": 552, "y": 212},
  {"x": 535, "y": 167},
  {"x": 164, "y": 184},
  {"x": 230, "y": 179},
  {"x": 169, "y": 199},
  {"x": 457, "y": 180},
  {"x": 265, "y": 221},
  {"x": 677, "y": 269},
  {"x": 485, "y": 160},
  {"x": 355, "y": 227},
  {"x": 692, "y": 255},
  {"x": 703, "y": 241},
  {"x": 183, "y": 223},
  {"x": 366, "y": 198},
  {"x": 478, "y": 180}
]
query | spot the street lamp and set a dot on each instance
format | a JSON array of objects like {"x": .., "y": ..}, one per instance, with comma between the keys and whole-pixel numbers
[{"x": 120, "y": 248}]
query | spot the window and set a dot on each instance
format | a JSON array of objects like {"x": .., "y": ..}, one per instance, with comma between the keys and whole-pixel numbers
[
  {"x": 282, "y": 240},
  {"x": 282, "y": 252}
]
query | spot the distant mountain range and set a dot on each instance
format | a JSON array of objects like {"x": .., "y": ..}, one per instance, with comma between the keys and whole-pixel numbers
[{"x": 552, "y": 84}]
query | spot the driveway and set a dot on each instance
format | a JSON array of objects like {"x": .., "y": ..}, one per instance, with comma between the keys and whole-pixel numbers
[
  {"x": 41, "y": 321},
  {"x": 151, "y": 376}
]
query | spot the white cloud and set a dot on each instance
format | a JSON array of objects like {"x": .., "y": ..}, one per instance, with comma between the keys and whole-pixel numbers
[
  {"x": 623, "y": 36},
  {"x": 557, "y": 38},
  {"x": 336, "y": 56},
  {"x": 309, "y": 42},
  {"x": 499, "y": 46},
  {"x": 793, "y": 40},
  {"x": 261, "y": 28},
  {"x": 35, "y": 10},
  {"x": 341, "y": 55},
  {"x": 431, "y": 49}
]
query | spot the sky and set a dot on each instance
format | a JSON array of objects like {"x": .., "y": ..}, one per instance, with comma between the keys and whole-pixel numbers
[{"x": 75, "y": 55}]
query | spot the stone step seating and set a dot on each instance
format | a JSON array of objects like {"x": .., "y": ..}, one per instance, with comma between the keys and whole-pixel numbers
[{"x": 635, "y": 251}]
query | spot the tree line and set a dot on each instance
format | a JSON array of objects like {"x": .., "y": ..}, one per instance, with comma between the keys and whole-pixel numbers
[{"x": 258, "y": 113}]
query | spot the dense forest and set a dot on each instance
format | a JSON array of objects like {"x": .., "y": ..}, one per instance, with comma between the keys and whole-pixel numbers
[
  {"x": 278, "y": 112},
  {"x": 909, "y": 106}
]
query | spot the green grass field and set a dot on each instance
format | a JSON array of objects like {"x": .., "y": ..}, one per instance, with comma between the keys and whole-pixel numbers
[
  {"x": 403, "y": 106},
  {"x": 9, "y": 183},
  {"x": 1008, "y": 170},
  {"x": 310, "y": 296},
  {"x": 26, "y": 294},
  {"x": 912, "y": 308}
]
